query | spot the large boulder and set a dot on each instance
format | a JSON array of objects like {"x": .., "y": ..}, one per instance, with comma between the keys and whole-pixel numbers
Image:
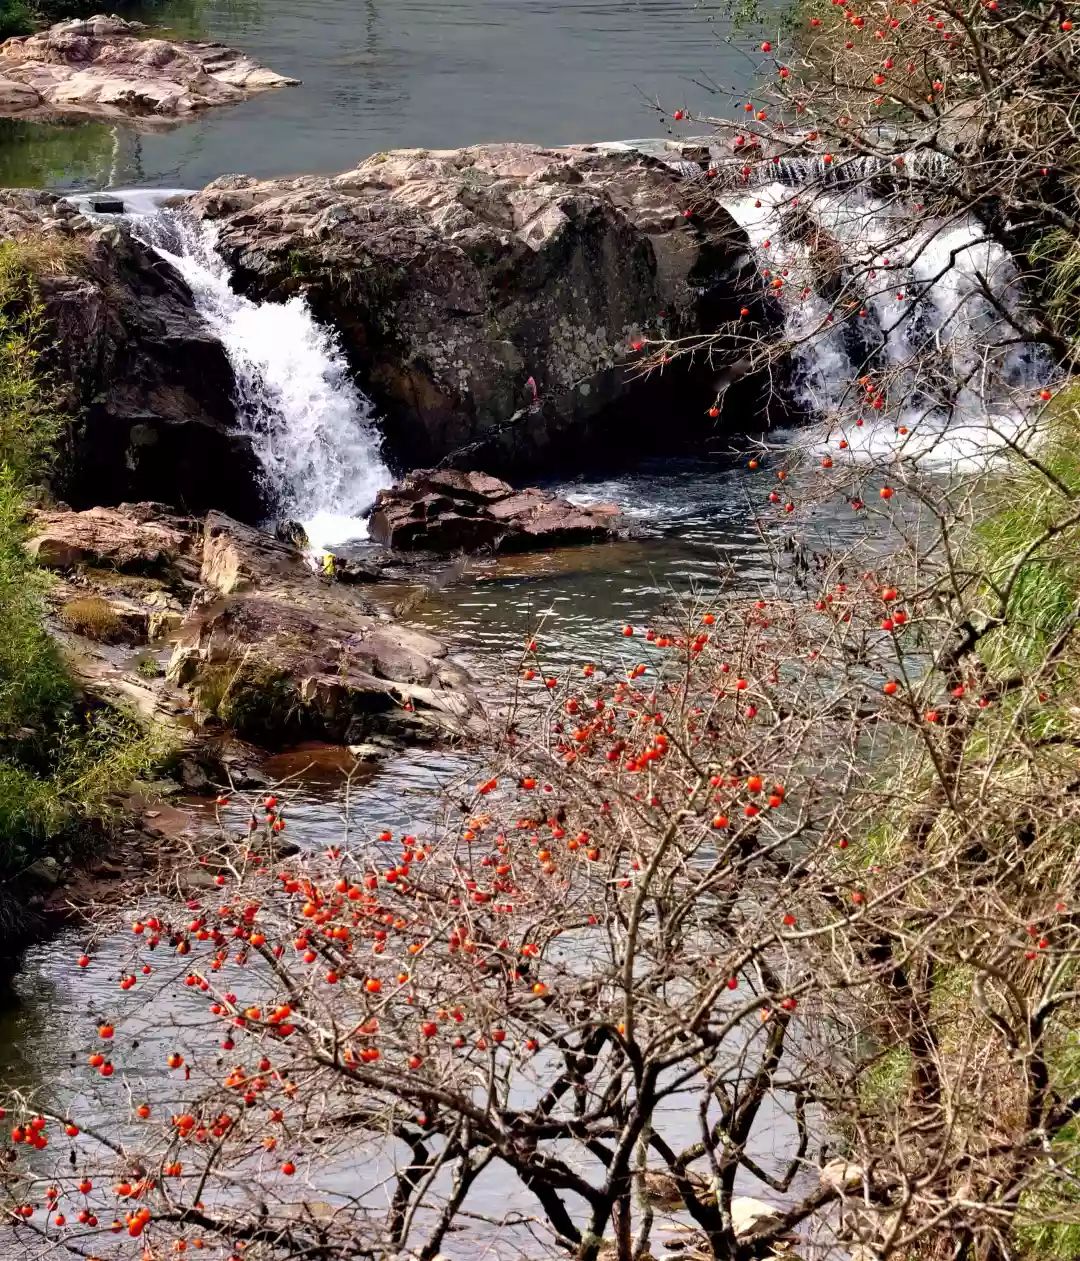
[
  {"x": 101, "y": 66},
  {"x": 141, "y": 539},
  {"x": 452, "y": 511},
  {"x": 149, "y": 387},
  {"x": 278, "y": 655},
  {"x": 495, "y": 299}
]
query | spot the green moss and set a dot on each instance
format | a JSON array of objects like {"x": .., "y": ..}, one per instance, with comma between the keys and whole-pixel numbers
[
  {"x": 884, "y": 1084},
  {"x": 260, "y": 704}
]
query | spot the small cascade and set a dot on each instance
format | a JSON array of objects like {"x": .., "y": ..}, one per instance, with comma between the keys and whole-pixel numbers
[
  {"x": 311, "y": 427},
  {"x": 927, "y": 307}
]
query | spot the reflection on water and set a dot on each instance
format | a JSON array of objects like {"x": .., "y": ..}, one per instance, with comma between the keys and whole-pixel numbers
[
  {"x": 382, "y": 74},
  {"x": 42, "y": 155}
]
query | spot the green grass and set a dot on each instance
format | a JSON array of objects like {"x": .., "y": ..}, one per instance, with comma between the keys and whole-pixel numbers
[
  {"x": 1045, "y": 590},
  {"x": 1044, "y": 597},
  {"x": 34, "y": 686},
  {"x": 1056, "y": 256},
  {"x": 1044, "y": 1229},
  {"x": 884, "y": 1084}
]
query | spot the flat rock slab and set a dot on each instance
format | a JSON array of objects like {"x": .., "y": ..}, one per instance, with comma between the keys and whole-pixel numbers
[
  {"x": 452, "y": 511},
  {"x": 132, "y": 538},
  {"x": 103, "y": 66}
]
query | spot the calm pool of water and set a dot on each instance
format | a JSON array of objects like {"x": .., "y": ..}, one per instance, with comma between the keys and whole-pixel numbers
[{"x": 381, "y": 74}]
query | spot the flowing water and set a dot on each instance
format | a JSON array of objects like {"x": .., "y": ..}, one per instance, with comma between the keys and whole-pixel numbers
[
  {"x": 312, "y": 427},
  {"x": 411, "y": 72}
]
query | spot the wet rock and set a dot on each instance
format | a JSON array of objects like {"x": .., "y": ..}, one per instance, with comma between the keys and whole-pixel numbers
[
  {"x": 45, "y": 871},
  {"x": 103, "y": 67},
  {"x": 278, "y": 655},
  {"x": 491, "y": 296},
  {"x": 150, "y": 385},
  {"x": 293, "y": 533},
  {"x": 452, "y": 511}
]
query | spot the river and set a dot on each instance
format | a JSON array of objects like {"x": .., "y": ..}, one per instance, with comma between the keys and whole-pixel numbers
[{"x": 391, "y": 73}]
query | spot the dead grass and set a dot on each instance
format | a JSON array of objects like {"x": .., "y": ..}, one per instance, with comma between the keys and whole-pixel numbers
[{"x": 93, "y": 618}]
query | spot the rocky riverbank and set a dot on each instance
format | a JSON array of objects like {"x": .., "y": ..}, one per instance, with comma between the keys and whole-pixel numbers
[
  {"x": 497, "y": 302},
  {"x": 259, "y": 644}
]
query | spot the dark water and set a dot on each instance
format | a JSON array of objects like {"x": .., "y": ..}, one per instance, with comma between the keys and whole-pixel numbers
[{"x": 381, "y": 74}]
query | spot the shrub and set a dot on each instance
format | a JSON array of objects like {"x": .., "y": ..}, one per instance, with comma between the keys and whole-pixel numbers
[
  {"x": 57, "y": 807},
  {"x": 34, "y": 687}
]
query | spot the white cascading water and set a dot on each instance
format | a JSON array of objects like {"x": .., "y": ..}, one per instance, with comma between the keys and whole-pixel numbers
[
  {"x": 311, "y": 427},
  {"x": 933, "y": 298}
]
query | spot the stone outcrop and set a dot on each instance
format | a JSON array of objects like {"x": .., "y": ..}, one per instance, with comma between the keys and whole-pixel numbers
[
  {"x": 148, "y": 387},
  {"x": 141, "y": 539},
  {"x": 102, "y": 67},
  {"x": 491, "y": 298},
  {"x": 260, "y": 644},
  {"x": 279, "y": 656},
  {"x": 452, "y": 511}
]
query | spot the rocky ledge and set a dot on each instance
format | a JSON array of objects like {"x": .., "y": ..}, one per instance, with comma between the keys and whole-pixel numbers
[
  {"x": 147, "y": 387},
  {"x": 257, "y": 643},
  {"x": 496, "y": 300},
  {"x": 102, "y": 67},
  {"x": 451, "y": 511}
]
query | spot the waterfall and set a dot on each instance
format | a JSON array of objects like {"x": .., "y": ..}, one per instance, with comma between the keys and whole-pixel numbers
[
  {"x": 870, "y": 287},
  {"x": 311, "y": 427}
]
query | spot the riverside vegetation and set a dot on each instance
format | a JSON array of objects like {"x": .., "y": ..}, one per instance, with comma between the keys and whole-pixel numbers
[
  {"x": 61, "y": 763},
  {"x": 801, "y": 855},
  {"x": 20, "y": 17}
]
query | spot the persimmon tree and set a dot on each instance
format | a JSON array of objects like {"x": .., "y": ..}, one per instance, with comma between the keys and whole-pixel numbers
[{"x": 787, "y": 863}]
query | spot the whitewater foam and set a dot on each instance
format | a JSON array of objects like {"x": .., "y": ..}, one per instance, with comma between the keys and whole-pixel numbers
[{"x": 311, "y": 427}]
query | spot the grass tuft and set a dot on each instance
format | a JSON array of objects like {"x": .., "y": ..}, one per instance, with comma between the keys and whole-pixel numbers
[{"x": 94, "y": 618}]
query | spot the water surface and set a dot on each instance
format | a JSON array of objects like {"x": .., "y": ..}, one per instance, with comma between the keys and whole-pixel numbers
[{"x": 382, "y": 74}]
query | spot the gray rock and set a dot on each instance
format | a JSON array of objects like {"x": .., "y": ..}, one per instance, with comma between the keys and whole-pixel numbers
[
  {"x": 102, "y": 67},
  {"x": 450, "y": 511},
  {"x": 278, "y": 656},
  {"x": 491, "y": 296}
]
